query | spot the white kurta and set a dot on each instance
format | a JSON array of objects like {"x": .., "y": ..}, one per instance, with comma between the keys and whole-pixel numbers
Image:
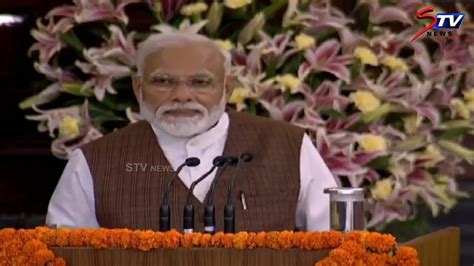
[{"x": 72, "y": 203}]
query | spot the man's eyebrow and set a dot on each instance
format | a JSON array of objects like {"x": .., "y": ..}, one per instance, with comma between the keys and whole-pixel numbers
[
  {"x": 204, "y": 73},
  {"x": 157, "y": 71}
]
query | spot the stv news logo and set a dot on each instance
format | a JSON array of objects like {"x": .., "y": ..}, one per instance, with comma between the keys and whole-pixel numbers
[{"x": 439, "y": 22}]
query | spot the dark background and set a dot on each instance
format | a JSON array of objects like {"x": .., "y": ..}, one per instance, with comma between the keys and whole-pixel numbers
[{"x": 29, "y": 172}]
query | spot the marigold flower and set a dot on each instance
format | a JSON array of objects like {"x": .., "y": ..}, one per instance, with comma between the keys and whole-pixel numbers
[
  {"x": 261, "y": 239},
  {"x": 285, "y": 239},
  {"x": 251, "y": 240},
  {"x": 32, "y": 246},
  {"x": 380, "y": 242},
  {"x": 240, "y": 240},
  {"x": 341, "y": 257},
  {"x": 228, "y": 240},
  {"x": 172, "y": 239},
  {"x": 217, "y": 239},
  {"x": 272, "y": 240},
  {"x": 205, "y": 241},
  {"x": 407, "y": 256},
  {"x": 42, "y": 256}
]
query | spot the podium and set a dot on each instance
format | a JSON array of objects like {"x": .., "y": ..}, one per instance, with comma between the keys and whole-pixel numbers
[{"x": 438, "y": 248}]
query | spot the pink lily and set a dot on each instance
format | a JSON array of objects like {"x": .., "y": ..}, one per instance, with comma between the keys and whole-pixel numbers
[
  {"x": 185, "y": 27},
  {"x": 274, "y": 47},
  {"x": 63, "y": 146},
  {"x": 47, "y": 37},
  {"x": 49, "y": 120},
  {"x": 94, "y": 10},
  {"x": 380, "y": 14},
  {"x": 280, "y": 110},
  {"x": 326, "y": 95},
  {"x": 325, "y": 58},
  {"x": 103, "y": 72}
]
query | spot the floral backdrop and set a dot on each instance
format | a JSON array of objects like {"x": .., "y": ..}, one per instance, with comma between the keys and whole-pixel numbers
[{"x": 386, "y": 113}]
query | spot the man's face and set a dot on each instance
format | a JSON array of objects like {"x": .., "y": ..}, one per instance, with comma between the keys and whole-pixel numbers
[{"x": 182, "y": 88}]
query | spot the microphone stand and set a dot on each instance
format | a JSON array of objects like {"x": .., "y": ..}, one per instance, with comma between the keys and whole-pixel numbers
[
  {"x": 165, "y": 220},
  {"x": 188, "y": 216}
]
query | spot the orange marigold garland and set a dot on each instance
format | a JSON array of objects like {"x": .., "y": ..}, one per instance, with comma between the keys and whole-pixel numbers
[{"x": 30, "y": 247}]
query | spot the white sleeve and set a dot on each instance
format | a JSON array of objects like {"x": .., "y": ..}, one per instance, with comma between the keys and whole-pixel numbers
[
  {"x": 312, "y": 211},
  {"x": 72, "y": 203}
]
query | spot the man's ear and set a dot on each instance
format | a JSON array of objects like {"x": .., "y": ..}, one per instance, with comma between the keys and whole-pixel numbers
[
  {"x": 230, "y": 84},
  {"x": 137, "y": 86}
]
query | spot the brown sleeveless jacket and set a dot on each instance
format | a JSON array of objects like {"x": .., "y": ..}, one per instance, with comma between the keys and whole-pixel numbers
[{"x": 131, "y": 199}]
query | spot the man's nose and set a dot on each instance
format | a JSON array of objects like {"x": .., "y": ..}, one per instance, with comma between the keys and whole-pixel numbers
[{"x": 181, "y": 93}]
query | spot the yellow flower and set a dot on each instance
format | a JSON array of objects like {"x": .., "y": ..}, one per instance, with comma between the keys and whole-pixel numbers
[
  {"x": 432, "y": 154},
  {"x": 470, "y": 106},
  {"x": 365, "y": 101},
  {"x": 304, "y": 41},
  {"x": 366, "y": 56},
  {"x": 234, "y": 4},
  {"x": 394, "y": 63},
  {"x": 239, "y": 95},
  {"x": 469, "y": 95},
  {"x": 373, "y": 143},
  {"x": 289, "y": 81},
  {"x": 382, "y": 189},
  {"x": 226, "y": 44},
  {"x": 460, "y": 108},
  {"x": 193, "y": 9},
  {"x": 69, "y": 127},
  {"x": 441, "y": 191},
  {"x": 469, "y": 98},
  {"x": 411, "y": 123}
]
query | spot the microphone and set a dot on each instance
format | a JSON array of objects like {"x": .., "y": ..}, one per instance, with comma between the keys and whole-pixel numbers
[
  {"x": 229, "y": 212},
  {"x": 209, "y": 213},
  {"x": 165, "y": 222},
  {"x": 188, "y": 217}
]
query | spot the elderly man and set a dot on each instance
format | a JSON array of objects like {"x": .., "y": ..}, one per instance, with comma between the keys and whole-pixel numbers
[{"x": 182, "y": 86}]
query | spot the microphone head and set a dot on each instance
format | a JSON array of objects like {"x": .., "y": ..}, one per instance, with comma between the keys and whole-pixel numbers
[
  {"x": 192, "y": 161},
  {"x": 219, "y": 161},
  {"x": 246, "y": 157}
]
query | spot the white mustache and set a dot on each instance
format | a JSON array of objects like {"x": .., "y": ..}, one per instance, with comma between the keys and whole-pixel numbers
[{"x": 179, "y": 106}]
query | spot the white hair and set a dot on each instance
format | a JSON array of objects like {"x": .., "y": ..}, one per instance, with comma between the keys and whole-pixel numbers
[{"x": 157, "y": 41}]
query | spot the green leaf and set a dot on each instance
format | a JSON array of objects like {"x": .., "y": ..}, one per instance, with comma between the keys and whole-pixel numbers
[
  {"x": 334, "y": 113},
  {"x": 456, "y": 132},
  {"x": 292, "y": 65},
  {"x": 72, "y": 40},
  {"x": 271, "y": 10},
  {"x": 271, "y": 68},
  {"x": 75, "y": 89},
  {"x": 380, "y": 163}
]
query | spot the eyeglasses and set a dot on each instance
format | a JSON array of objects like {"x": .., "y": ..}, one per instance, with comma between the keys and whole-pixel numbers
[{"x": 199, "y": 83}]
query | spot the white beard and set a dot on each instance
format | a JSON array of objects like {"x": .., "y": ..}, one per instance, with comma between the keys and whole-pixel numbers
[{"x": 183, "y": 126}]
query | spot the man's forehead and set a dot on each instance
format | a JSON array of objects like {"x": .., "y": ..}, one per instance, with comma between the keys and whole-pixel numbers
[{"x": 186, "y": 58}]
